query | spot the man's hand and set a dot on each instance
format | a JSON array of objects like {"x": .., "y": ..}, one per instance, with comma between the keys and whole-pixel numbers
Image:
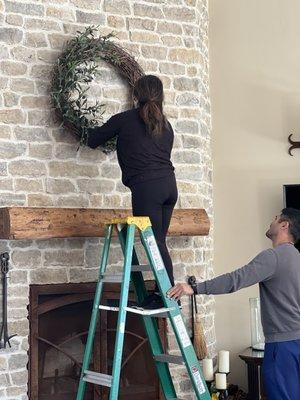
[{"x": 179, "y": 290}]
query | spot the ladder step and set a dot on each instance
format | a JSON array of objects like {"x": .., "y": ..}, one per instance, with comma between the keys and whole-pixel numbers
[
  {"x": 115, "y": 278},
  {"x": 158, "y": 312},
  {"x": 118, "y": 278},
  {"x": 108, "y": 308},
  {"x": 169, "y": 358},
  {"x": 97, "y": 378},
  {"x": 141, "y": 267}
]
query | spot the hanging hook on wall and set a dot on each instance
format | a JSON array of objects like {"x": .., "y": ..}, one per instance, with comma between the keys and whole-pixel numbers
[{"x": 294, "y": 145}]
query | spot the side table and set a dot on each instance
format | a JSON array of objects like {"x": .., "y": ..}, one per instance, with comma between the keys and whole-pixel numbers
[{"x": 254, "y": 360}]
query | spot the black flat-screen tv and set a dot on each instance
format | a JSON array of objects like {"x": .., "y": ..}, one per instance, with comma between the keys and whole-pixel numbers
[{"x": 291, "y": 198}]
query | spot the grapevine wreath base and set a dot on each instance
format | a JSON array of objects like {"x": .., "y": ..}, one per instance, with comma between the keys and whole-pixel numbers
[{"x": 77, "y": 67}]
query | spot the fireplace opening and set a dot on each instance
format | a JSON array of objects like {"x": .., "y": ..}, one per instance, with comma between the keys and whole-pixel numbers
[{"x": 59, "y": 316}]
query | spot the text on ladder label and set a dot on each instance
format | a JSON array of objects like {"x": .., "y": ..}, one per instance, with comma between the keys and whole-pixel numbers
[
  {"x": 198, "y": 380},
  {"x": 158, "y": 262},
  {"x": 185, "y": 339}
]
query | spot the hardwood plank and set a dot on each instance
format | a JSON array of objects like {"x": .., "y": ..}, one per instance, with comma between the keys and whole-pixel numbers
[{"x": 45, "y": 223}]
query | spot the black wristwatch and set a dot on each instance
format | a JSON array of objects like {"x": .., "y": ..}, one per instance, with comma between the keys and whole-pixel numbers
[{"x": 193, "y": 283}]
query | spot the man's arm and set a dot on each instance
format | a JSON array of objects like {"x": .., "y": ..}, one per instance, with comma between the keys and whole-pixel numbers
[
  {"x": 101, "y": 134},
  {"x": 260, "y": 269}
]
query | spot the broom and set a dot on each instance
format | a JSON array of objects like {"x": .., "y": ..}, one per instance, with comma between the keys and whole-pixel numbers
[{"x": 198, "y": 337}]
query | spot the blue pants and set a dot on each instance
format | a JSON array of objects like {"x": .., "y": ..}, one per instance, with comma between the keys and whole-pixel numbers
[{"x": 281, "y": 370}]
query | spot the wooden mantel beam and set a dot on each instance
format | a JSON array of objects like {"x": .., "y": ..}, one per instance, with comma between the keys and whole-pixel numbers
[{"x": 45, "y": 223}]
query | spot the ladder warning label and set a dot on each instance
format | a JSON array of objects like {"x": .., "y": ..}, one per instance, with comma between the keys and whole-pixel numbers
[
  {"x": 198, "y": 380},
  {"x": 158, "y": 262},
  {"x": 184, "y": 337}
]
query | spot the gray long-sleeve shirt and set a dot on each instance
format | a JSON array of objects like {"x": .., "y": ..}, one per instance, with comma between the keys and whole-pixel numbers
[{"x": 278, "y": 273}]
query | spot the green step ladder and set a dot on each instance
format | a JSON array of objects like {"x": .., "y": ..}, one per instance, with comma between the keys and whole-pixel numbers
[{"x": 132, "y": 271}]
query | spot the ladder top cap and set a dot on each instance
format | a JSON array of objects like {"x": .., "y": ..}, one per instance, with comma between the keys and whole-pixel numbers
[{"x": 140, "y": 222}]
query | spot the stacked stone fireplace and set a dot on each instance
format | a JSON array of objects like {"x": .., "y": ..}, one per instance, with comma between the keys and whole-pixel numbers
[
  {"x": 40, "y": 165},
  {"x": 57, "y": 337},
  {"x": 59, "y": 317}
]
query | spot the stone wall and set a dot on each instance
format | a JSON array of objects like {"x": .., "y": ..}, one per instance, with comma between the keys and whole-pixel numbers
[{"x": 40, "y": 164}]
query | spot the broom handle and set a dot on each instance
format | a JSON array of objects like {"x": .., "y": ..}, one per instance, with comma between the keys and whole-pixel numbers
[
  {"x": 195, "y": 302},
  {"x": 191, "y": 280},
  {"x": 193, "y": 319}
]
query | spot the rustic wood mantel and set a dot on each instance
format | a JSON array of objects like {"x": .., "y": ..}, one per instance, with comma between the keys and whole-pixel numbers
[{"x": 45, "y": 223}]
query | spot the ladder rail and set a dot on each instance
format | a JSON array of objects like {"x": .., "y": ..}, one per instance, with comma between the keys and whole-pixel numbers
[
  {"x": 188, "y": 353},
  {"x": 150, "y": 324},
  {"x": 118, "y": 350},
  {"x": 189, "y": 357},
  {"x": 95, "y": 313}
]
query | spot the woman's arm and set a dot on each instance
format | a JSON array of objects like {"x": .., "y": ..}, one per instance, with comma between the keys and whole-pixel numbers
[{"x": 101, "y": 134}]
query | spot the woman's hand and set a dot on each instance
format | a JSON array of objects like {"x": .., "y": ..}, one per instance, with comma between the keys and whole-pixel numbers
[{"x": 179, "y": 290}]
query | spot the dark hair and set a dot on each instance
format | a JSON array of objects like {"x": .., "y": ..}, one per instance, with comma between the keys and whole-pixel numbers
[
  {"x": 292, "y": 215},
  {"x": 148, "y": 90}
]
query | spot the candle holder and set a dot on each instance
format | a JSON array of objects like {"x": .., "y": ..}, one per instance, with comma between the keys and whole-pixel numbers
[
  {"x": 223, "y": 394},
  {"x": 213, "y": 389},
  {"x": 209, "y": 385}
]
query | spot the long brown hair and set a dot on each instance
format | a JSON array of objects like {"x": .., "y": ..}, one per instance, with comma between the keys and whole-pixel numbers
[{"x": 148, "y": 90}]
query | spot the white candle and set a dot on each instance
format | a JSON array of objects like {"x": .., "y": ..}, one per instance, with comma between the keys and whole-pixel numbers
[
  {"x": 224, "y": 361},
  {"x": 208, "y": 369},
  {"x": 221, "y": 381}
]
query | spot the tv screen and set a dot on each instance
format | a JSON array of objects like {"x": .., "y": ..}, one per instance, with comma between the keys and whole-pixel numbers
[{"x": 291, "y": 198}]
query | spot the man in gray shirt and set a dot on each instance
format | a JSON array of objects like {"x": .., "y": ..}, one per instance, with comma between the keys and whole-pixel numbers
[{"x": 277, "y": 270}]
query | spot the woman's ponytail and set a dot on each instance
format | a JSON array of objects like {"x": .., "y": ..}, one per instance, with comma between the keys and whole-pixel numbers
[{"x": 148, "y": 91}]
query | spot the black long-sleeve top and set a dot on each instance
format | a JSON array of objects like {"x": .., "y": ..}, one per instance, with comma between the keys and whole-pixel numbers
[{"x": 141, "y": 156}]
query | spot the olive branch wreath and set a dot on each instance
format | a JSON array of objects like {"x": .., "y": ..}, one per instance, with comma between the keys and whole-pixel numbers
[{"x": 77, "y": 66}]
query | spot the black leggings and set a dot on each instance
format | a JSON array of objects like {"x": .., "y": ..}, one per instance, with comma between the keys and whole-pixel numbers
[{"x": 156, "y": 199}]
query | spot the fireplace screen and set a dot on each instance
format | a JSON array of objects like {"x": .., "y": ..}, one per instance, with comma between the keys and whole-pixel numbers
[{"x": 59, "y": 320}]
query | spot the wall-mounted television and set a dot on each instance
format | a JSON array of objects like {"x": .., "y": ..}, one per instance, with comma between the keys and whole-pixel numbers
[{"x": 291, "y": 198}]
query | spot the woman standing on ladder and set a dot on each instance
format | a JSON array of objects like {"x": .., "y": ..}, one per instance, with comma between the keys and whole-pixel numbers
[{"x": 144, "y": 144}]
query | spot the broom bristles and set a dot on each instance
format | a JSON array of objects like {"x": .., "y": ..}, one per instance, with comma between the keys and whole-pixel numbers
[{"x": 199, "y": 339}]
